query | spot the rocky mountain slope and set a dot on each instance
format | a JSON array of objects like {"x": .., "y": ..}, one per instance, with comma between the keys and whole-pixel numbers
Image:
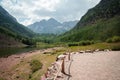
[{"x": 52, "y": 26}]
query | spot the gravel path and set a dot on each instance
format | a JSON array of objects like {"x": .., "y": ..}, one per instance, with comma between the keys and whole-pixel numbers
[{"x": 96, "y": 66}]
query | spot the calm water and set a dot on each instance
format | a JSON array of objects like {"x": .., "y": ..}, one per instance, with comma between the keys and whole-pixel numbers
[{"x": 5, "y": 52}]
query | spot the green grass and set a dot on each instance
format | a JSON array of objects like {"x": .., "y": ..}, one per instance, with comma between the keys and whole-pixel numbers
[
  {"x": 44, "y": 45},
  {"x": 4, "y": 52},
  {"x": 96, "y": 46},
  {"x": 2, "y": 79}
]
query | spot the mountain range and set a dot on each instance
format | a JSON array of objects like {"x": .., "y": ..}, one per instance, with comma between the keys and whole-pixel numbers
[
  {"x": 99, "y": 23},
  {"x": 52, "y": 26}
]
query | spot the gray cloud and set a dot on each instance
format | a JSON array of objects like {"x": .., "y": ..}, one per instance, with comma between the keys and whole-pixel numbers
[
  {"x": 68, "y": 10},
  {"x": 29, "y": 11}
]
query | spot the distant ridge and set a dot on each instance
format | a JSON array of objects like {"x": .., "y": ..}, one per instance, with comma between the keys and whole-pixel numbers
[{"x": 52, "y": 26}]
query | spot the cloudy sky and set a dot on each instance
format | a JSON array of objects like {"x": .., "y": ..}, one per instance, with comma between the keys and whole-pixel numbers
[{"x": 30, "y": 11}]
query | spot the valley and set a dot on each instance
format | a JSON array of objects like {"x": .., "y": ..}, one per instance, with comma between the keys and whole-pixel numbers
[
  {"x": 19, "y": 64},
  {"x": 60, "y": 46}
]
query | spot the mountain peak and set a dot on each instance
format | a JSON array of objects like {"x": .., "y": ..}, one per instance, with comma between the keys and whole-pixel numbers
[
  {"x": 51, "y": 26},
  {"x": 52, "y": 20}
]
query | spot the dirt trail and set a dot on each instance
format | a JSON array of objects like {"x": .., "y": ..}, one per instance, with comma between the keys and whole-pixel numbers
[{"x": 96, "y": 66}]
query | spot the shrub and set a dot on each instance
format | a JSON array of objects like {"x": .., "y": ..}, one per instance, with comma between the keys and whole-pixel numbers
[
  {"x": 81, "y": 43},
  {"x": 114, "y": 39},
  {"x": 28, "y": 41},
  {"x": 35, "y": 65},
  {"x": 73, "y": 44},
  {"x": 84, "y": 43},
  {"x": 109, "y": 40}
]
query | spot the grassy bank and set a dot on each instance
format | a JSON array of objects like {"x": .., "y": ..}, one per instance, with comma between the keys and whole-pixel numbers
[
  {"x": 4, "y": 52},
  {"x": 113, "y": 46}
]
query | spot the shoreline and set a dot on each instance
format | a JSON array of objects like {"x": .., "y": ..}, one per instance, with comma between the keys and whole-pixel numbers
[{"x": 7, "y": 64}]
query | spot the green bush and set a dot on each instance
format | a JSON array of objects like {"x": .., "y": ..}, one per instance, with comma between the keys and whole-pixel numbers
[
  {"x": 109, "y": 40},
  {"x": 28, "y": 41},
  {"x": 73, "y": 44},
  {"x": 114, "y": 39},
  {"x": 81, "y": 43},
  {"x": 35, "y": 65},
  {"x": 84, "y": 43}
]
